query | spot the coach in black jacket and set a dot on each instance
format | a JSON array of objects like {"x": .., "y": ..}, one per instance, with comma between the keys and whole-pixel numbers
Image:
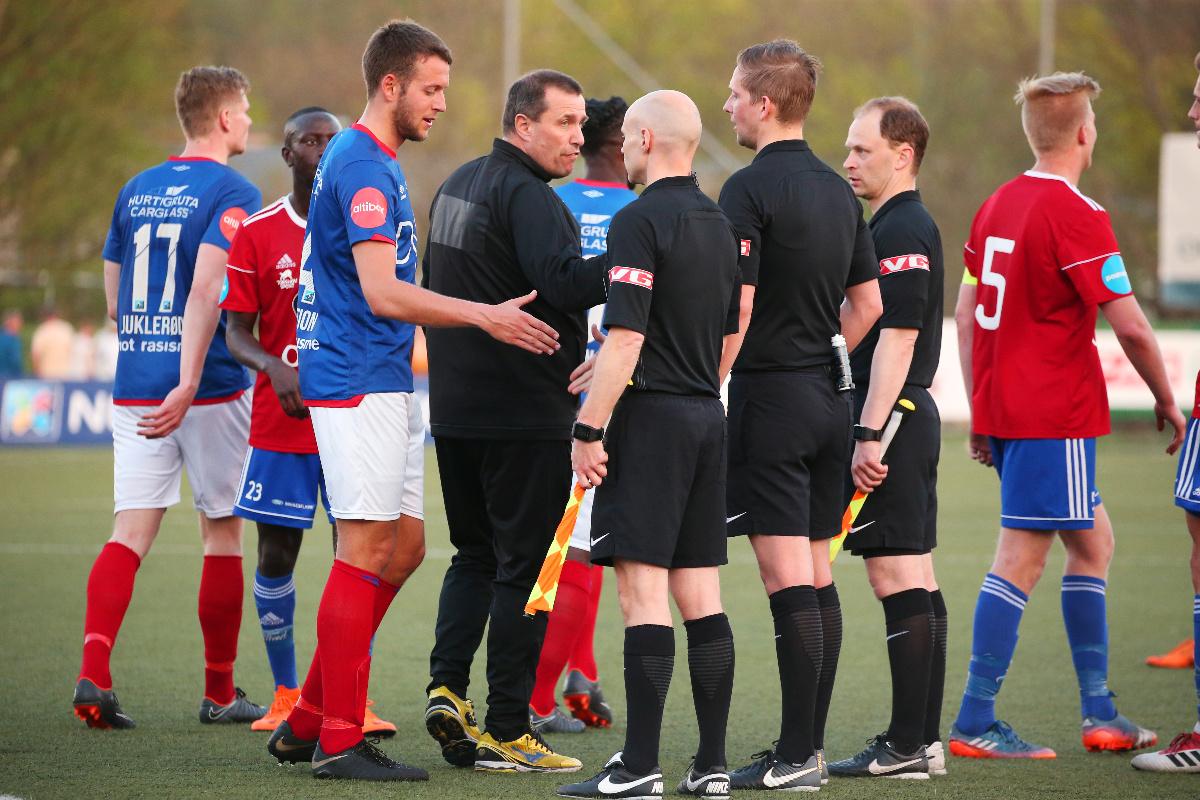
[{"x": 502, "y": 420}]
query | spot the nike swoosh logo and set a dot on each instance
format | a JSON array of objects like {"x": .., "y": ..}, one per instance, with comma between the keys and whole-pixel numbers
[
  {"x": 284, "y": 747},
  {"x": 875, "y": 769},
  {"x": 609, "y": 786},
  {"x": 771, "y": 781},
  {"x": 864, "y": 525},
  {"x": 694, "y": 785},
  {"x": 735, "y": 516},
  {"x": 599, "y": 539},
  {"x": 220, "y": 712},
  {"x": 330, "y": 760},
  {"x": 894, "y": 635}
]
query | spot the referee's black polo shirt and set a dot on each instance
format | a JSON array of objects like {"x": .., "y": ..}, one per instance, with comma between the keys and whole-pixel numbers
[
  {"x": 803, "y": 242},
  {"x": 909, "y": 247},
  {"x": 498, "y": 231},
  {"x": 674, "y": 278}
]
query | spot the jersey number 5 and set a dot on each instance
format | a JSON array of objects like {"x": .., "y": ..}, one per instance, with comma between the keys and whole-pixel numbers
[
  {"x": 994, "y": 244},
  {"x": 141, "y": 266}
]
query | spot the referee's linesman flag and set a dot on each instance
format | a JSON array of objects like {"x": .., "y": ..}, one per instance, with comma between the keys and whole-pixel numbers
[{"x": 541, "y": 596}]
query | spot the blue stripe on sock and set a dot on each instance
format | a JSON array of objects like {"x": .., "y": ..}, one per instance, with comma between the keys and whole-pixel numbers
[
  {"x": 275, "y": 599},
  {"x": 993, "y": 640},
  {"x": 1084, "y": 615}
]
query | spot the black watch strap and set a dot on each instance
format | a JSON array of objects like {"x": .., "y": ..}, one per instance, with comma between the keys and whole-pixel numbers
[
  {"x": 864, "y": 434},
  {"x": 586, "y": 433}
]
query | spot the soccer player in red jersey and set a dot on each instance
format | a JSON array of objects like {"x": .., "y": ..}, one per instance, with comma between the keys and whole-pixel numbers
[
  {"x": 282, "y": 474},
  {"x": 1183, "y": 753},
  {"x": 164, "y": 259},
  {"x": 1041, "y": 260}
]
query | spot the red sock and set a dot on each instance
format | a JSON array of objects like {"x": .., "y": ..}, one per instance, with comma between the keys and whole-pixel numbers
[
  {"x": 221, "y": 589},
  {"x": 109, "y": 589},
  {"x": 562, "y": 629},
  {"x": 344, "y": 622},
  {"x": 583, "y": 658},
  {"x": 305, "y": 716}
]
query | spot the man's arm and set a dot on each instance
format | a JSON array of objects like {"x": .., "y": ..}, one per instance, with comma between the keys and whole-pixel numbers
[
  {"x": 731, "y": 345},
  {"x": 396, "y": 299},
  {"x": 860, "y": 310},
  {"x": 112, "y": 286},
  {"x": 200, "y": 317},
  {"x": 249, "y": 352},
  {"x": 1141, "y": 348},
  {"x": 547, "y": 251},
  {"x": 978, "y": 446},
  {"x": 614, "y": 367},
  {"x": 889, "y": 369}
]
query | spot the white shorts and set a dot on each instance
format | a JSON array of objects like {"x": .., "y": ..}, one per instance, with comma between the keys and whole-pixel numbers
[
  {"x": 373, "y": 457},
  {"x": 210, "y": 443},
  {"x": 581, "y": 537}
]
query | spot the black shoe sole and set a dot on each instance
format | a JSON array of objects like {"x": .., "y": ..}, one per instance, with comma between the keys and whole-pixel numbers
[{"x": 457, "y": 748}]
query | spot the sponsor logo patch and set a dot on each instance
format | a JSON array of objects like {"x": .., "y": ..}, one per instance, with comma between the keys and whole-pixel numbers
[
  {"x": 638, "y": 277},
  {"x": 285, "y": 262},
  {"x": 593, "y": 219},
  {"x": 1114, "y": 276},
  {"x": 231, "y": 220},
  {"x": 175, "y": 191},
  {"x": 903, "y": 263},
  {"x": 368, "y": 208},
  {"x": 745, "y": 245},
  {"x": 286, "y": 280}
]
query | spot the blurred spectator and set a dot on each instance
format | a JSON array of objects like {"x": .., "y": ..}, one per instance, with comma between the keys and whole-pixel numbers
[
  {"x": 83, "y": 353},
  {"x": 11, "y": 364},
  {"x": 51, "y": 347},
  {"x": 107, "y": 345}
]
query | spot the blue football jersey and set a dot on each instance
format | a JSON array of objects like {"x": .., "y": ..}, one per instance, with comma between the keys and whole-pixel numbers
[
  {"x": 594, "y": 204},
  {"x": 161, "y": 218},
  {"x": 345, "y": 350}
]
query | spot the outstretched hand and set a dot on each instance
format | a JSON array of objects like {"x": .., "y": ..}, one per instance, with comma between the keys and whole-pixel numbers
[
  {"x": 581, "y": 376},
  {"x": 507, "y": 323}
]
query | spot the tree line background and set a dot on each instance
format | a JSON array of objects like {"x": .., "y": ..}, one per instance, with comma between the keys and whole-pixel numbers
[{"x": 87, "y": 87}]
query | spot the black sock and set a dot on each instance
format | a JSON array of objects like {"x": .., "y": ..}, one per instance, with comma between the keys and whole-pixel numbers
[
  {"x": 831, "y": 648},
  {"x": 710, "y": 663},
  {"x": 910, "y": 648},
  {"x": 649, "y": 660},
  {"x": 798, "y": 648},
  {"x": 937, "y": 669}
]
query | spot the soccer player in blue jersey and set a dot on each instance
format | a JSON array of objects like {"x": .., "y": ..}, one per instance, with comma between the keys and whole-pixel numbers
[
  {"x": 164, "y": 262},
  {"x": 355, "y": 312},
  {"x": 593, "y": 200}
]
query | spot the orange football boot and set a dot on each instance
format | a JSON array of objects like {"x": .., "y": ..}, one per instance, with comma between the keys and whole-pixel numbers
[
  {"x": 1181, "y": 656},
  {"x": 374, "y": 725},
  {"x": 281, "y": 706}
]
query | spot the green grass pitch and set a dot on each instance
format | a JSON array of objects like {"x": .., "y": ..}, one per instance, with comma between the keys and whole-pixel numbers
[{"x": 57, "y": 507}]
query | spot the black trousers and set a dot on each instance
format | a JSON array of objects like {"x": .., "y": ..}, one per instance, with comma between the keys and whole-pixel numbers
[{"x": 503, "y": 499}]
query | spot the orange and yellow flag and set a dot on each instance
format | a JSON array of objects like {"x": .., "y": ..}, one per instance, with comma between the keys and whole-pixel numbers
[{"x": 541, "y": 596}]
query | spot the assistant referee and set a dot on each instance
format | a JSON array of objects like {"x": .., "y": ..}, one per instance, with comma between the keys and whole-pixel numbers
[
  {"x": 896, "y": 530},
  {"x": 658, "y": 515},
  {"x": 804, "y": 250}
]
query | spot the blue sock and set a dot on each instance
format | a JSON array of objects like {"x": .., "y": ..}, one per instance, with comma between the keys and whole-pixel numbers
[
  {"x": 993, "y": 640},
  {"x": 275, "y": 599},
  {"x": 1196, "y": 648},
  {"x": 1087, "y": 632}
]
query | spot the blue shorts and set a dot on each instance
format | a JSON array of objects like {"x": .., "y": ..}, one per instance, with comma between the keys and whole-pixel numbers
[
  {"x": 281, "y": 488},
  {"x": 1047, "y": 484},
  {"x": 1187, "y": 477}
]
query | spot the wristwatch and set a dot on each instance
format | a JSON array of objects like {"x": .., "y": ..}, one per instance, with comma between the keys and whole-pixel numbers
[
  {"x": 586, "y": 433},
  {"x": 863, "y": 434}
]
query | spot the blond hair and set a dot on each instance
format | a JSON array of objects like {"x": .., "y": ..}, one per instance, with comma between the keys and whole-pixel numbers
[
  {"x": 1053, "y": 107},
  {"x": 782, "y": 71},
  {"x": 200, "y": 95}
]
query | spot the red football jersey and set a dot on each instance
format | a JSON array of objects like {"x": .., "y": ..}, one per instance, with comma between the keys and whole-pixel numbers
[
  {"x": 1044, "y": 257},
  {"x": 262, "y": 277}
]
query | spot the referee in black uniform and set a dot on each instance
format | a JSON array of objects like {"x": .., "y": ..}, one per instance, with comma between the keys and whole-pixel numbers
[
  {"x": 809, "y": 272},
  {"x": 658, "y": 514},
  {"x": 897, "y": 528},
  {"x": 502, "y": 424}
]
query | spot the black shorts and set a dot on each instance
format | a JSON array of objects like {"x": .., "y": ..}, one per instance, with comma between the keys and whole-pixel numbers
[
  {"x": 901, "y": 514},
  {"x": 789, "y": 443},
  {"x": 663, "y": 501}
]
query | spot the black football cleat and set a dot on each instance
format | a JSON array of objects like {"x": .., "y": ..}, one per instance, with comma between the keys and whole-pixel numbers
[
  {"x": 289, "y": 748},
  {"x": 364, "y": 762},
  {"x": 768, "y": 771},
  {"x": 98, "y": 707},
  {"x": 615, "y": 781},
  {"x": 239, "y": 710},
  {"x": 881, "y": 759}
]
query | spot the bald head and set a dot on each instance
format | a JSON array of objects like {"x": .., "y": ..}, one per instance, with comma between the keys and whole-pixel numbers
[{"x": 671, "y": 116}]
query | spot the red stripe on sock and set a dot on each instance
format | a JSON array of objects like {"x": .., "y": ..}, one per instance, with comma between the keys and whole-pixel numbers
[
  {"x": 109, "y": 589},
  {"x": 583, "y": 657},
  {"x": 220, "y": 611},
  {"x": 562, "y": 630},
  {"x": 345, "y": 620}
]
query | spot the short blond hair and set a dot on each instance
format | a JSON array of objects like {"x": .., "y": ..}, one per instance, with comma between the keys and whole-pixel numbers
[
  {"x": 782, "y": 71},
  {"x": 1053, "y": 107},
  {"x": 200, "y": 95}
]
